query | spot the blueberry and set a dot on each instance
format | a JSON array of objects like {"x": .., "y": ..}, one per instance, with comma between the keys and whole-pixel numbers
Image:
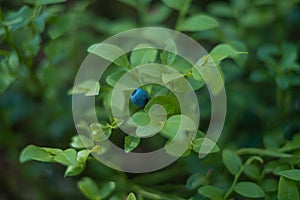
[{"x": 139, "y": 97}]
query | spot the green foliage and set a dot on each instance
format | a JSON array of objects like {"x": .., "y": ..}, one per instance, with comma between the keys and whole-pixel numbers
[{"x": 255, "y": 46}]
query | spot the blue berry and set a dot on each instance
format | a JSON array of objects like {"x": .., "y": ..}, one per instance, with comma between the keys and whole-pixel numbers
[{"x": 139, "y": 97}]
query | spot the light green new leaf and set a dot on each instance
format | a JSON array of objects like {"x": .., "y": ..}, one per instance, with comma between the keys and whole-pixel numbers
[
  {"x": 232, "y": 161},
  {"x": 107, "y": 189},
  {"x": 198, "y": 22},
  {"x": 175, "y": 4},
  {"x": 79, "y": 142},
  {"x": 89, "y": 188},
  {"x": 211, "y": 192},
  {"x": 131, "y": 196},
  {"x": 287, "y": 190},
  {"x": 89, "y": 88},
  {"x": 131, "y": 143},
  {"x": 249, "y": 189},
  {"x": 67, "y": 157},
  {"x": 74, "y": 170},
  {"x": 33, "y": 152},
  {"x": 292, "y": 174}
]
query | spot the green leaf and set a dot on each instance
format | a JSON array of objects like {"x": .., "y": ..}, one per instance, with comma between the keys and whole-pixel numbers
[
  {"x": 113, "y": 78},
  {"x": 170, "y": 104},
  {"x": 79, "y": 142},
  {"x": 211, "y": 192},
  {"x": 67, "y": 157},
  {"x": 62, "y": 26},
  {"x": 282, "y": 81},
  {"x": 167, "y": 57},
  {"x": 249, "y": 189},
  {"x": 223, "y": 51},
  {"x": 197, "y": 144},
  {"x": 107, "y": 189},
  {"x": 232, "y": 161},
  {"x": 109, "y": 52},
  {"x": 131, "y": 196},
  {"x": 287, "y": 190},
  {"x": 141, "y": 118},
  {"x": 292, "y": 174},
  {"x": 82, "y": 156},
  {"x": 33, "y": 152},
  {"x": 74, "y": 170},
  {"x": 89, "y": 88},
  {"x": 269, "y": 185},
  {"x": 100, "y": 132},
  {"x": 89, "y": 188},
  {"x": 198, "y": 22},
  {"x": 194, "y": 181},
  {"x": 143, "y": 55},
  {"x": 175, "y": 4},
  {"x": 252, "y": 171},
  {"x": 131, "y": 143},
  {"x": 172, "y": 125}
]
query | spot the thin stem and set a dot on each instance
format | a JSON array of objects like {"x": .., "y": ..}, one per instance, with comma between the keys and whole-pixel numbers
[{"x": 236, "y": 178}]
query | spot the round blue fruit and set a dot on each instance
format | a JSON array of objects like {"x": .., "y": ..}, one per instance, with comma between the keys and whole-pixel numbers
[{"x": 139, "y": 97}]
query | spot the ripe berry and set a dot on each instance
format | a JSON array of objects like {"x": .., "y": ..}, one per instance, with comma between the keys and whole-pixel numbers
[{"x": 139, "y": 97}]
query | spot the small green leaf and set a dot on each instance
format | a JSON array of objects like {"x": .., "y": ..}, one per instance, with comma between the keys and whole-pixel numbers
[
  {"x": 292, "y": 174},
  {"x": 269, "y": 185},
  {"x": 211, "y": 192},
  {"x": 170, "y": 104},
  {"x": 172, "y": 125},
  {"x": 82, "y": 156},
  {"x": 107, "y": 189},
  {"x": 141, "y": 118},
  {"x": 175, "y": 4},
  {"x": 194, "y": 181},
  {"x": 89, "y": 188},
  {"x": 282, "y": 81},
  {"x": 89, "y": 88},
  {"x": 143, "y": 54},
  {"x": 252, "y": 171},
  {"x": 62, "y": 26},
  {"x": 109, "y": 52},
  {"x": 74, "y": 170},
  {"x": 131, "y": 196},
  {"x": 287, "y": 190},
  {"x": 223, "y": 51},
  {"x": 167, "y": 57},
  {"x": 198, "y": 22},
  {"x": 131, "y": 143},
  {"x": 113, "y": 78},
  {"x": 197, "y": 144},
  {"x": 249, "y": 189},
  {"x": 67, "y": 157},
  {"x": 232, "y": 161},
  {"x": 79, "y": 142},
  {"x": 32, "y": 152}
]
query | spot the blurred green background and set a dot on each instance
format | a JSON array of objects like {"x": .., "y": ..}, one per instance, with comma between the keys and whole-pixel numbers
[{"x": 43, "y": 46}]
